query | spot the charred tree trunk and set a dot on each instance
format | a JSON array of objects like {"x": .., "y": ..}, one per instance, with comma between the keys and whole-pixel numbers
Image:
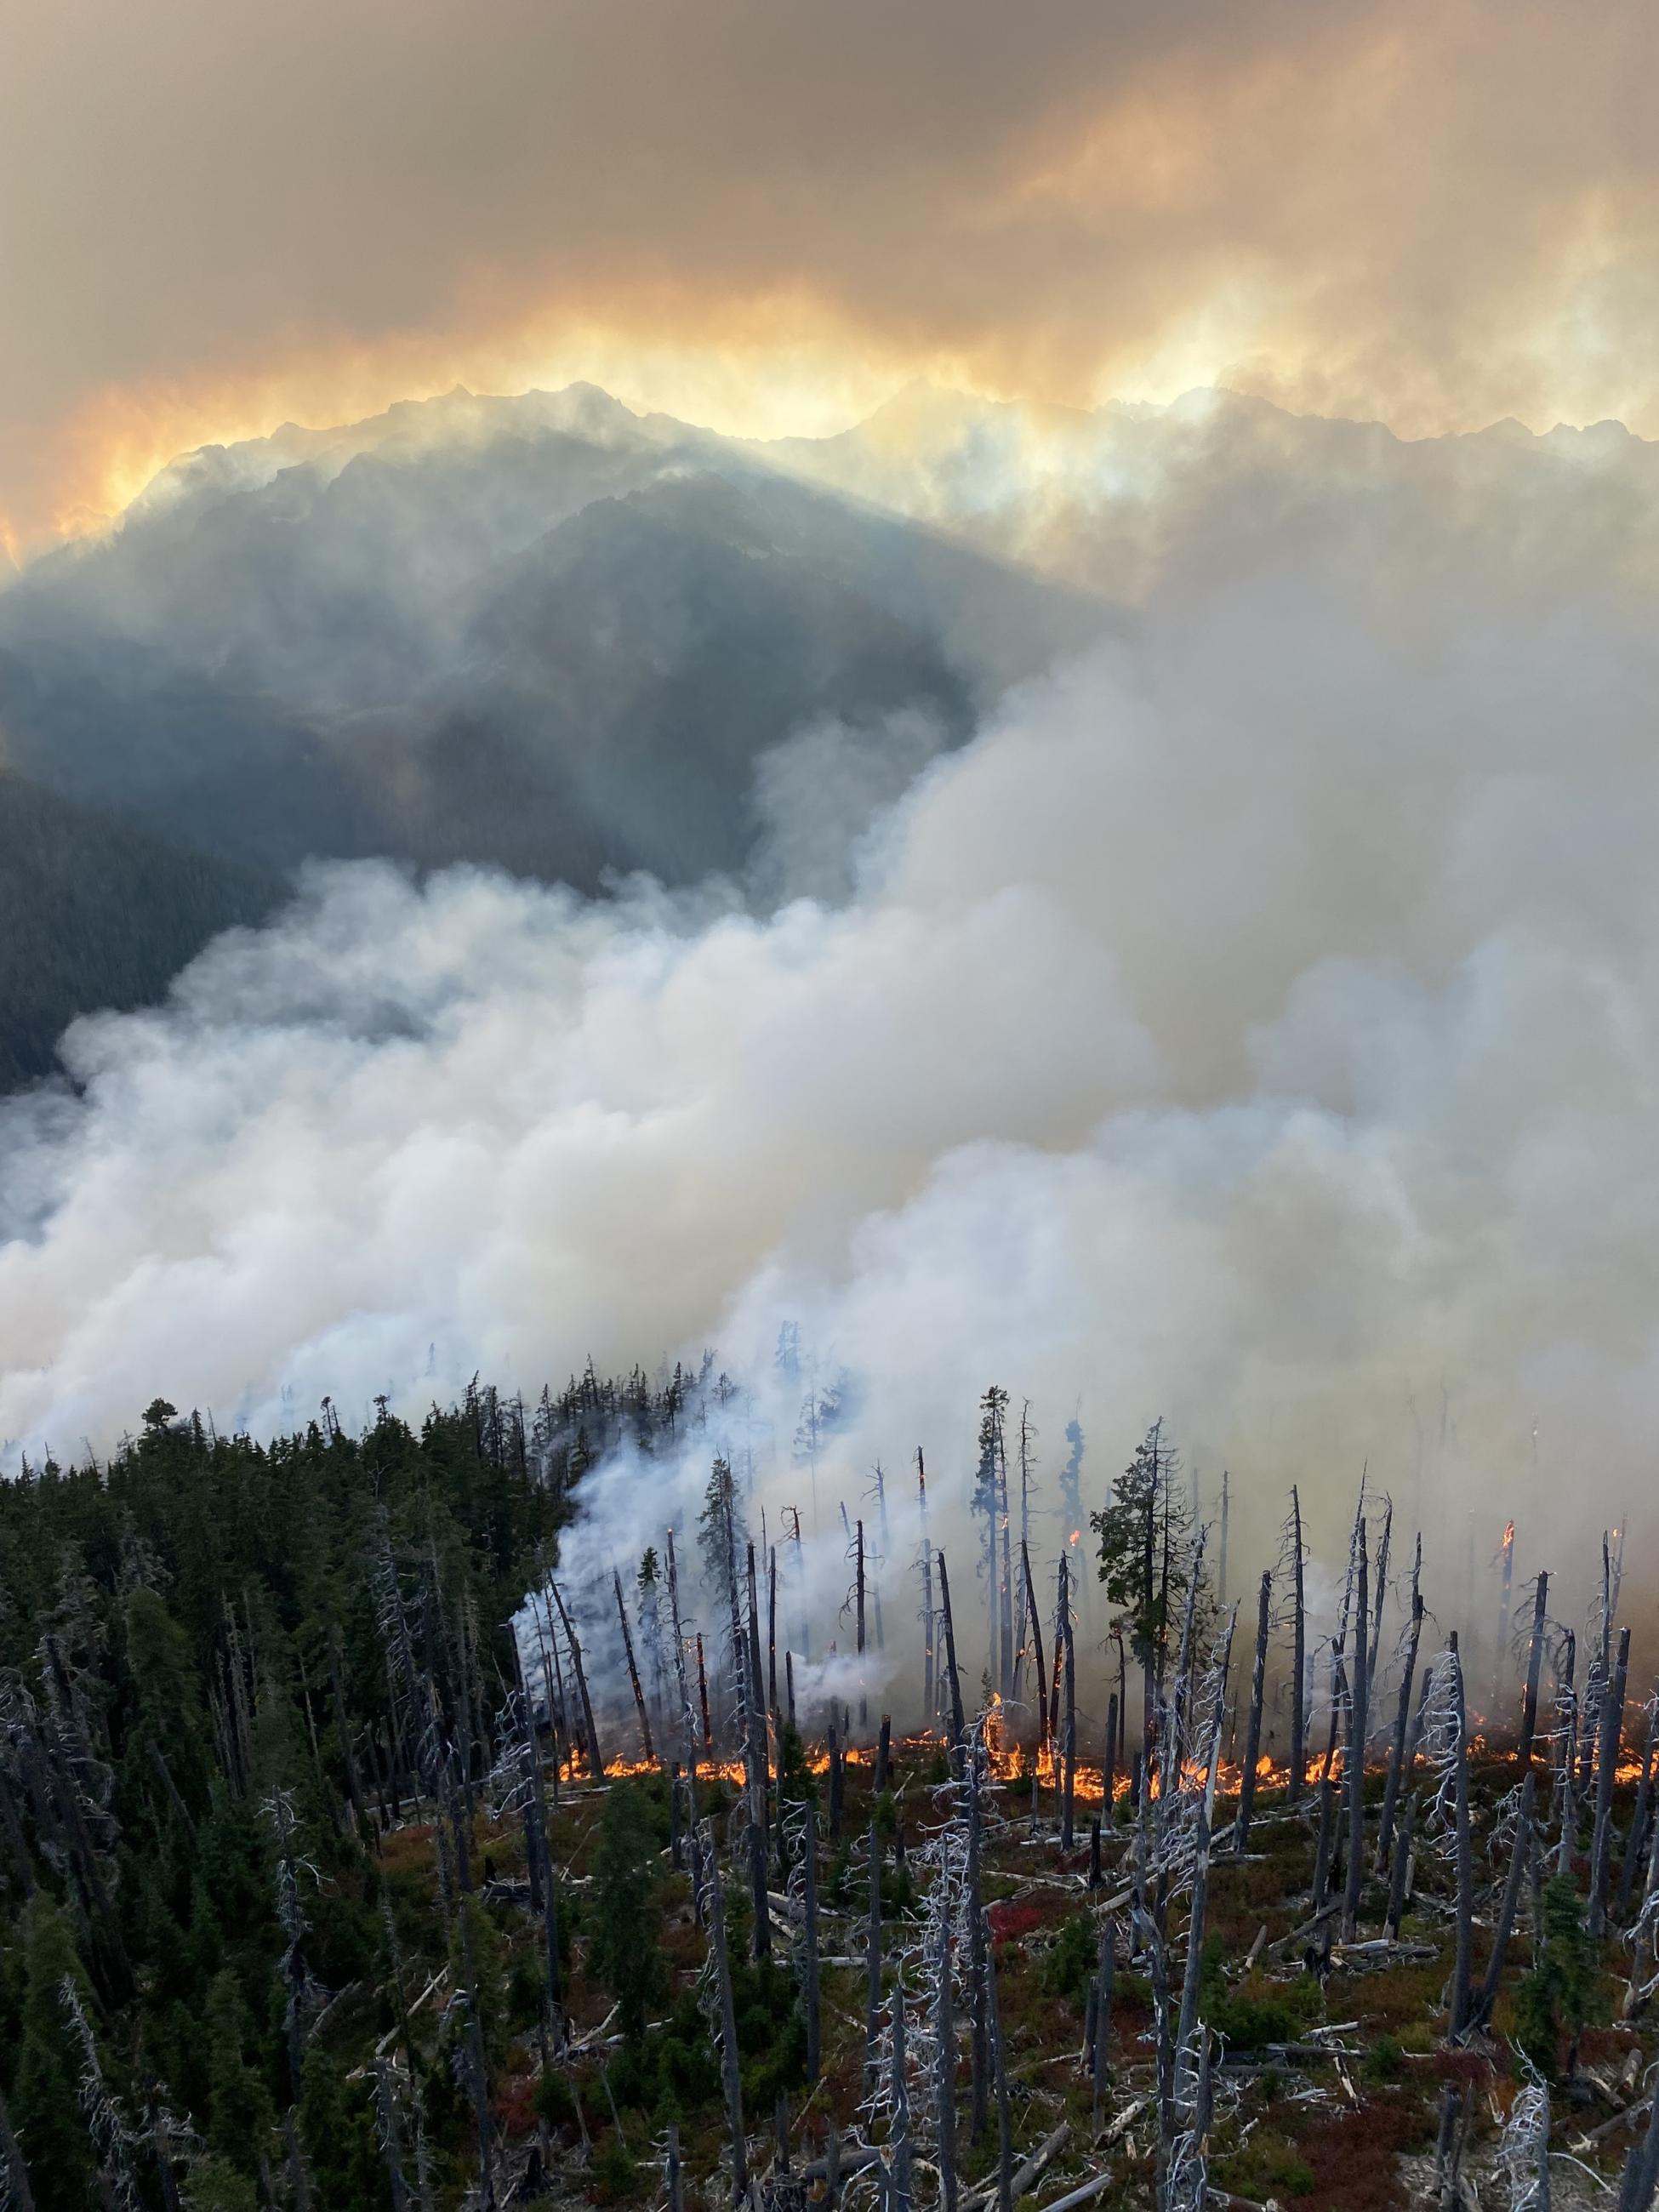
[
  {"x": 702, "y": 1696},
  {"x": 1253, "y": 1736},
  {"x": 1068, "y": 1740},
  {"x": 1382, "y": 1550},
  {"x": 1397, "y": 1758},
  {"x": 945, "y": 2066},
  {"x": 810, "y": 1945},
  {"x": 872, "y": 1966},
  {"x": 1354, "y": 1774},
  {"x": 834, "y": 1784},
  {"x": 1035, "y": 1619},
  {"x": 1535, "y": 1665},
  {"x": 1105, "y": 1969},
  {"x": 756, "y": 1773},
  {"x": 1463, "y": 1948},
  {"x": 730, "y": 2078},
  {"x": 1636, "y": 1841},
  {"x": 595, "y": 1757},
  {"x": 1402, "y": 1869},
  {"x": 647, "y": 1748},
  {"x": 772, "y": 1633},
  {"x": 929, "y": 1656},
  {"x": 958, "y": 1724},
  {"x": 1000, "y": 2082},
  {"x": 1298, "y": 1655},
  {"x": 1611, "y": 1730},
  {"x": 1520, "y": 1859},
  {"x": 978, "y": 1959},
  {"x": 863, "y": 1703}
]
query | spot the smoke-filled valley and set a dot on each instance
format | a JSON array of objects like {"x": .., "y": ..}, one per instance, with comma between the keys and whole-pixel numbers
[
  {"x": 1232, "y": 1002},
  {"x": 1106, "y": 961}
]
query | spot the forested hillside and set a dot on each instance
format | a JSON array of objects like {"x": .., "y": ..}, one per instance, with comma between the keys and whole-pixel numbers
[
  {"x": 96, "y": 910},
  {"x": 540, "y": 634}
]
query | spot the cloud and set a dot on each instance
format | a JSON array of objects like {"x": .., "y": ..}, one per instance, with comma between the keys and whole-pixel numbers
[{"x": 1435, "y": 214}]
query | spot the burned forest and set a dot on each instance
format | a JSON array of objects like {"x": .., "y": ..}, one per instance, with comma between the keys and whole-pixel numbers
[{"x": 377, "y": 1833}]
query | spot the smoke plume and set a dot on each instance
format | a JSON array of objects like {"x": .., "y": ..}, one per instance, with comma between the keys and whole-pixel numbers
[{"x": 1255, "y": 1025}]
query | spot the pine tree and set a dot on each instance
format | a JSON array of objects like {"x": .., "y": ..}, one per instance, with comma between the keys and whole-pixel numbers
[
  {"x": 625, "y": 1952},
  {"x": 241, "y": 2117},
  {"x": 46, "y": 2111}
]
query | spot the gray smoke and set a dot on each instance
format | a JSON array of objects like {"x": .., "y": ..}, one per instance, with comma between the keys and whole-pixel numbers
[{"x": 1255, "y": 1024}]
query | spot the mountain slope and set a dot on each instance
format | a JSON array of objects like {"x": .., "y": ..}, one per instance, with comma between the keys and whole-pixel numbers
[
  {"x": 544, "y": 633},
  {"x": 96, "y": 911}
]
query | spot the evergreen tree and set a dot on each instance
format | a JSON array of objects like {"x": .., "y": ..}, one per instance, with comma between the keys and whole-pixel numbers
[
  {"x": 46, "y": 2111},
  {"x": 241, "y": 2115},
  {"x": 1558, "y": 1997},
  {"x": 625, "y": 1952}
]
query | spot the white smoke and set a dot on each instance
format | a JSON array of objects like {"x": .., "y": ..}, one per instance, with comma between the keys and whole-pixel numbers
[{"x": 1255, "y": 1025}]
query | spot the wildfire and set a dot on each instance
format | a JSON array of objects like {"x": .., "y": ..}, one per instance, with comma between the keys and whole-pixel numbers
[{"x": 1013, "y": 1764}]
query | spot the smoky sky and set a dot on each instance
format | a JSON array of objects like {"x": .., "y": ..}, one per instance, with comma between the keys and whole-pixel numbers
[{"x": 212, "y": 217}]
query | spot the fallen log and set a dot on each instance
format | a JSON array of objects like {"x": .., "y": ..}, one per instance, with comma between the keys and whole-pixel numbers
[{"x": 1025, "y": 2174}]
